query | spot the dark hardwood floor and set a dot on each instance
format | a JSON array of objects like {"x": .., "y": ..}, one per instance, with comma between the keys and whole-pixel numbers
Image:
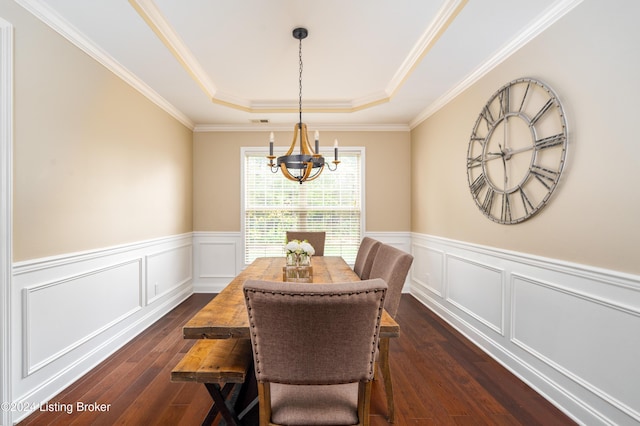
[{"x": 440, "y": 378}]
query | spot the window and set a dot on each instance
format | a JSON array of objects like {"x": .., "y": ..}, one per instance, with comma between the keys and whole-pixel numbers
[{"x": 273, "y": 205}]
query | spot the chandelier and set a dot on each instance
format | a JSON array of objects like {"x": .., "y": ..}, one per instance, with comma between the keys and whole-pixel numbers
[{"x": 308, "y": 164}]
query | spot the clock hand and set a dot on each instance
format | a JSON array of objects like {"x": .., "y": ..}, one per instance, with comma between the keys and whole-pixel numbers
[
  {"x": 507, "y": 153},
  {"x": 515, "y": 151},
  {"x": 494, "y": 156},
  {"x": 504, "y": 165}
]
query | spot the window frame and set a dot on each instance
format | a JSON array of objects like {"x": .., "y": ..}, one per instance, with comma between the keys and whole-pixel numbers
[{"x": 264, "y": 151}]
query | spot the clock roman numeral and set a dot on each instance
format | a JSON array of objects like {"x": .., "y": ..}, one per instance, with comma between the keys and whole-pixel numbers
[
  {"x": 486, "y": 114},
  {"x": 480, "y": 139},
  {"x": 545, "y": 176},
  {"x": 524, "y": 97},
  {"x": 506, "y": 208},
  {"x": 477, "y": 185},
  {"x": 504, "y": 102},
  {"x": 550, "y": 141},
  {"x": 540, "y": 113},
  {"x": 488, "y": 201},
  {"x": 474, "y": 162},
  {"x": 525, "y": 201}
]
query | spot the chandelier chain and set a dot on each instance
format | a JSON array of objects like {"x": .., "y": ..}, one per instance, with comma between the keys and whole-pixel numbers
[{"x": 300, "y": 81}]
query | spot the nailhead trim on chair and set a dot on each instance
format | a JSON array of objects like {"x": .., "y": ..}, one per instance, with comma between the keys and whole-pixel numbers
[{"x": 373, "y": 344}]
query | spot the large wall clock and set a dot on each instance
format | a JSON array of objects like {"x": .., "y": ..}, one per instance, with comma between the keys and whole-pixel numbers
[{"x": 517, "y": 151}]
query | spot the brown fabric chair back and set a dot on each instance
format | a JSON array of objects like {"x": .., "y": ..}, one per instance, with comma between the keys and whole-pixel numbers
[
  {"x": 364, "y": 258},
  {"x": 392, "y": 265},
  {"x": 314, "y": 334},
  {"x": 316, "y": 239}
]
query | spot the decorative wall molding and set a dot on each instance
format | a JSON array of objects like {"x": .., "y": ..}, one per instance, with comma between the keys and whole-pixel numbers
[
  {"x": 70, "y": 312},
  {"x": 399, "y": 240},
  {"x": 217, "y": 259},
  {"x": 482, "y": 298},
  {"x": 568, "y": 330},
  {"x": 167, "y": 270},
  {"x": 114, "y": 288}
]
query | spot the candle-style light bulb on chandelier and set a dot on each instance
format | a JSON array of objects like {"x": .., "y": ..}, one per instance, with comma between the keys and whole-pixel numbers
[{"x": 308, "y": 164}]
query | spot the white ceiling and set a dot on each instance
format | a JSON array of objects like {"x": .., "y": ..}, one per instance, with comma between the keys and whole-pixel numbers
[{"x": 368, "y": 64}]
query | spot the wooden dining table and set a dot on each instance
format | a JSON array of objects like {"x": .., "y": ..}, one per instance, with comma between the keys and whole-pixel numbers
[{"x": 225, "y": 316}]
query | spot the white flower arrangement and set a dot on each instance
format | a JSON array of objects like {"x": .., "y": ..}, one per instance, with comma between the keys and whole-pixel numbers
[{"x": 299, "y": 248}]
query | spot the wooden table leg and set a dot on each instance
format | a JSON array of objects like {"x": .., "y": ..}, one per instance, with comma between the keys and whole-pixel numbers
[{"x": 386, "y": 375}]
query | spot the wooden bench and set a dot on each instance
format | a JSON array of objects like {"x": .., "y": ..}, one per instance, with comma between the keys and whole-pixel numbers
[{"x": 216, "y": 362}]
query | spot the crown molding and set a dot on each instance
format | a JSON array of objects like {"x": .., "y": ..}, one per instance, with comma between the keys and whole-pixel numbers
[
  {"x": 48, "y": 16},
  {"x": 445, "y": 16},
  {"x": 205, "y": 128},
  {"x": 546, "y": 19}
]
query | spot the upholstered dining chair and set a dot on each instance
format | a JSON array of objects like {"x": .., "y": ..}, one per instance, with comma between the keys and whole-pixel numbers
[
  {"x": 364, "y": 259},
  {"x": 316, "y": 239},
  {"x": 392, "y": 265},
  {"x": 314, "y": 350}
]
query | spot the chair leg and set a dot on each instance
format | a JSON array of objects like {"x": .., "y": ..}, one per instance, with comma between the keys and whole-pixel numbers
[
  {"x": 386, "y": 375},
  {"x": 364, "y": 403}
]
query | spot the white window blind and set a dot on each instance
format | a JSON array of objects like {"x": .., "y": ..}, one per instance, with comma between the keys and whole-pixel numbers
[{"x": 273, "y": 205}]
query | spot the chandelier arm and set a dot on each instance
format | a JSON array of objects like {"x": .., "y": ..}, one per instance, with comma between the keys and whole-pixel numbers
[
  {"x": 307, "y": 172},
  {"x": 303, "y": 176},
  {"x": 287, "y": 174},
  {"x": 305, "y": 146},
  {"x": 316, "y": 174},
  {"x": 293, "y": 142},
  {"x": 335, "y": 166}
]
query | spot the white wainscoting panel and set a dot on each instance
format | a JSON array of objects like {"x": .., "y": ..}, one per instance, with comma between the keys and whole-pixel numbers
[
  {"x": 52, "y": 311},
  {"x": 399, "y": 240},
  {"x": 570, "y": 331},
  {"x": 218, "y": 257},
  {"x": 167, "y": 270},
  {"x": 70, "y": 312},
  {"x": 477, "y": 289},
  {"x": 428, "y": 273},
  {"x": 217, "y": 260}
]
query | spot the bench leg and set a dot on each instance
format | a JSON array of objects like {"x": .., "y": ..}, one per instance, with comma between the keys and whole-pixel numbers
[{"x": 219, "y": 396}]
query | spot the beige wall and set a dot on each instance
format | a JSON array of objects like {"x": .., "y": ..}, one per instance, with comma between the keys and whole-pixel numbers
[
  {"x": 590, "y": 59},
  {"x": 95, "y": 163},
  {"x": 216, "y": 157}
]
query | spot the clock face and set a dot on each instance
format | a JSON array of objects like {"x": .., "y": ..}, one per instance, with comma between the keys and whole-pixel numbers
[{"x": 517, "y": 151}]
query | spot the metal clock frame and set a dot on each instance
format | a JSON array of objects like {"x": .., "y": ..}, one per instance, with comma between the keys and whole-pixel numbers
[{"x": 483, "y": 189}]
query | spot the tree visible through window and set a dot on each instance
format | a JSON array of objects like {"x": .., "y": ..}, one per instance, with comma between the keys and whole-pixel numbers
[{"x": 273, "y": 205}]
